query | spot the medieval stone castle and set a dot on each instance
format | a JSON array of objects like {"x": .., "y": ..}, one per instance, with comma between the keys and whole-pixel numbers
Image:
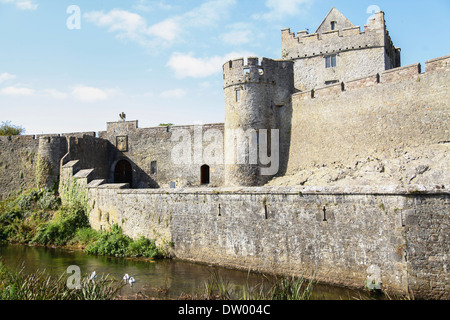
[{"x": 362, "y": 163}]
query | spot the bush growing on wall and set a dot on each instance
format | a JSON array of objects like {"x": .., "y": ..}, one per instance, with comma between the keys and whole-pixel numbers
[{"x": 7, "y": 129}]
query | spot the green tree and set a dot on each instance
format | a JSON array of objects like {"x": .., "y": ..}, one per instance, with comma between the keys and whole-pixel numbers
[{"x": 7, "y": 129}]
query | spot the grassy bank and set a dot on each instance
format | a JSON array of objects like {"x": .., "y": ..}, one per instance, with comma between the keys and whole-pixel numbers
[{"x": 37, "y": 217}]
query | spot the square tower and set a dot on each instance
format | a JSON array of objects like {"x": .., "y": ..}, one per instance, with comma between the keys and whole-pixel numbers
[{"x": 338, "y": 51}]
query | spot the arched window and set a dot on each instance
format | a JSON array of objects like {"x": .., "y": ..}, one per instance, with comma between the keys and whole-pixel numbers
[
  {"x": 123, "y": 172},
  {"x": 205, "y": 174}
]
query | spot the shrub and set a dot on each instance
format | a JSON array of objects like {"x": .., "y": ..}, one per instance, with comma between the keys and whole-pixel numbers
[
  {"x": 145, "y": 248},
  {"x": 115, "y": 243},
  {"x": 7, "y": 129},
  {"x": 63, "y": 228},
  {"x": 112, "y": 243},
  {"x": 85, "y": 237}
]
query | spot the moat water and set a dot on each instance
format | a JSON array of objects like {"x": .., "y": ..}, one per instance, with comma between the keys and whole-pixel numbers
[{"x": 161, "y": 280}]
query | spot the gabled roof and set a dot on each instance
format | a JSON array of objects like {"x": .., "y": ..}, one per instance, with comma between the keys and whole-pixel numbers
[{"x": 334, "y": 15}]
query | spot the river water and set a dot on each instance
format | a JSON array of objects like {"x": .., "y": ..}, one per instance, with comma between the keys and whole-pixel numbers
[{"x": 161, "y": 279}]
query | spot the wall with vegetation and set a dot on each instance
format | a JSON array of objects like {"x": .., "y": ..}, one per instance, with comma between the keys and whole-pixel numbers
[{"x": 340, "y": 236}]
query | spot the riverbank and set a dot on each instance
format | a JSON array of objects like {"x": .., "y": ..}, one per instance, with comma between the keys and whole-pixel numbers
[{"x": 37, "y": 217}]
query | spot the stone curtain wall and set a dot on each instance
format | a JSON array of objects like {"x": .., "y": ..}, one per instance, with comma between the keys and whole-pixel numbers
[
  {"x": 428, "y": 245},
  {"x": 18, "y": 159},
  {"x": 379, "y": 116},
  {"x": 147, "y": 145},
  {"x": 91, "y": 152},
  {"x": 336, "y": 234}
]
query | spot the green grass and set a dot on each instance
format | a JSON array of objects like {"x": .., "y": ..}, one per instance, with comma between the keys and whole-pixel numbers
[
  {"x": 18, "y": 285},
  {"x": 277, "y": 288},
  {"x": 115, "y": 243}
]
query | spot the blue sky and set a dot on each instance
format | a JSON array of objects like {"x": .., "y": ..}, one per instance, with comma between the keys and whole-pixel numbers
[{"x": 160, "y": 61}]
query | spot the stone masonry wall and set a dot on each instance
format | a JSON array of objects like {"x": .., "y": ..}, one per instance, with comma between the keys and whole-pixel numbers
[
  {"x": 374, "y": 117},
  {"x": 358, "y": 54},
  {"x": 143, "y": 146},
  {"x": 18, "y": 158},
  {"x": 335, "y": 234},
  {"x": 91, "y": 152}
]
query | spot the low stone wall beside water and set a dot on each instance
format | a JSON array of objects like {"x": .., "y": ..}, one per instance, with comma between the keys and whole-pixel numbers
[{"x": 341, "y": 236}]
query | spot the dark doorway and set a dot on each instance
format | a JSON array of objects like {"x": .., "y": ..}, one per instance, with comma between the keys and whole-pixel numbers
[
  {"x": 205, "y": 174},
  {"x": 123, "y": 173}
]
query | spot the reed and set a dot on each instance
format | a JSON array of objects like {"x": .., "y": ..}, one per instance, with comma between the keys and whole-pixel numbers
[{"x": 18, "y": 285}]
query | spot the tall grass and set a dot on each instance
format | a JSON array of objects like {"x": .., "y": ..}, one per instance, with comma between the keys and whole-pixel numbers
[
  {"x": 277, "y": 288},
  {"x": 18, "y": 285}
]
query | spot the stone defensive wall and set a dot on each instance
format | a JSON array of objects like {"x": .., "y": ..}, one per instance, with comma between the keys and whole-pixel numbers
[
  {"x": 22, "y": 158},
  {"x": 142, "y": 147},
  {"x": 378, "y": 116},
  {"x": 18, "y": 158},
  {"x": 336, "y": 235}
]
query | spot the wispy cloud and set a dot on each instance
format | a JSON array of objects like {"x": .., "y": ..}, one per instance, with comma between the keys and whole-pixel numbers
[
  {"x": 279, "y": 9},
  {"x": 145, "y": 5},
  {"x": 133, "y": 26},
  {"x": 185, "y": 65},
  {"x": 6, "y": 76},
  {"x": 92, "y": 94},
  {"x": 175, "y": 93},
  {"x": 55, "y": 94},
  {"x": 238, "y": 34},
  {"x": 16, "y": 91},
  {"x": 22, "y": 4}
]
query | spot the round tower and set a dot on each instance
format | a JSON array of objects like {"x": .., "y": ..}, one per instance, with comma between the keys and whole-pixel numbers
[
  {"x": 51, "y": 150},
  {"x": 254, "y": 94}
]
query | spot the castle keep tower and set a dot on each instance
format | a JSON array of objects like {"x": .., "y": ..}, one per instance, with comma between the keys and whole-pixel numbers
[
  {"x": 255, "y": 95},
  {"x": 338, "y": 51}
]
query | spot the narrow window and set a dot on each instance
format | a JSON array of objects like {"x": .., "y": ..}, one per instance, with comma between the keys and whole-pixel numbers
[
  {"x": 205, "y": 174},
  {"x": 330, "y": 61},
  {"x": 333, "y": 25},
  {"x": 154, "y": 167},
  {"x": 238, "y": 95}
]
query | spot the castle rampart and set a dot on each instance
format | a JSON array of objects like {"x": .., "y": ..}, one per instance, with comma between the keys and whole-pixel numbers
[
  {"x": 383, "y": 116},
  {"x": 334, "y": 233}
]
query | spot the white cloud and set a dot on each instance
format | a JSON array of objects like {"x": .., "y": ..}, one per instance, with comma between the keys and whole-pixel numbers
[
  {"x": 14, "y": 91},
  {"x": 134, "y": 26},
  {"x": 175, "y": 93},
  {"x": 208, "y": 14},
  {"x": 145, "y": 5},
  {"x": 188, "y": 66},
  {"x": 167, "y": 30},
  {"x": 279, "y": 9},
  {"x": 91, "y": 94},
  {"x": 6, "y": 76},
  {"x": 238, "y": 34},
  {"x": 55, "y": 94},
  {"x": 22, "y": 4},
  {"x": 126, "y": 24}
]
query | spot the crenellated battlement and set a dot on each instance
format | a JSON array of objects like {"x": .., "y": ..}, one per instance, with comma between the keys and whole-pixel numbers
[
  {"x": 306, "y": 45},
  {"x": 410, "y": 72},
  {"x": 265, "y": 71}
]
